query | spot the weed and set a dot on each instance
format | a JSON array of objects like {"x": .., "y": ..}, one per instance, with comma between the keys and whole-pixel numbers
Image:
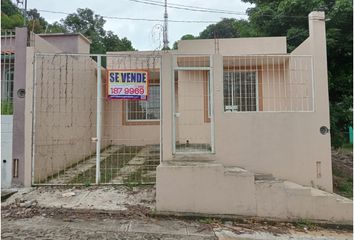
[
  {"x": 6, "y": 107},
  {"x": 305, "y": 223}
]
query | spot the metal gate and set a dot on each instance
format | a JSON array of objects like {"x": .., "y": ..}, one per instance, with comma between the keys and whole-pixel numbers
[
  {"x": 82, "y": 137},
  {"x": 193, "y": 121}
]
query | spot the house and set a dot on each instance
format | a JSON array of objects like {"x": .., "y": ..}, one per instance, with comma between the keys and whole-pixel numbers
[
  {"x": 17, "y": 67},
  {"x": 224, "y": 126}
]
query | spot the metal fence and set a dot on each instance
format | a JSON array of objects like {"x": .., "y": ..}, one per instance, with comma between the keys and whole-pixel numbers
[
  {"x": 7, "y": 70},
  {"x": 193, "y": 120},
  {"x": 82, "y": 137},
  {"x": 269, "y": 83}
]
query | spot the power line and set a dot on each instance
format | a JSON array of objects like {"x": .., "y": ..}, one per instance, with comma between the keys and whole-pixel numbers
[
  {"x": 136, "y": 19},
  {"x": 188, "y": 7},
  {"x": 209, "y": 10}
]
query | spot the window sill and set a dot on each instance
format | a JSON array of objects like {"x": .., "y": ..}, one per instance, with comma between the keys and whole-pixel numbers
[{"x": 140, "y": 122}]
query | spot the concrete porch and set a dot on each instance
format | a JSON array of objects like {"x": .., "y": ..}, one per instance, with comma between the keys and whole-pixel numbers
[{"x": 209, "y": 187}]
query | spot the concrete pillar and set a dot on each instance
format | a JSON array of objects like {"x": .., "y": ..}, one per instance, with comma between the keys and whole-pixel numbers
[
  {"x": 166, "y": 113},
  {"x": 218, "y": 72},
  {"x": 19, "y": 103},
  {"x": 317, "y": 29},
  {"x": 28, "y": 118}
]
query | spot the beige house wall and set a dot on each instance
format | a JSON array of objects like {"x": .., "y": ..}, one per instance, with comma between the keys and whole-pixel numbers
[
  {"x": 68, "y": 43},
  {"x": 191, "y": 92},
  {"x": 288, "y": 145},
  {"x": 117, "y": 129},
  {"x": 234, "y": 46},
  {"x": 65, "y": 114}
]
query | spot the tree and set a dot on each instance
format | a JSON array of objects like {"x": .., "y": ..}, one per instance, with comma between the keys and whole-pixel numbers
[
  {"x": 184, "y": 37},
  {"x": 35, "y": 22},
  {"x": 223, "y": 29},
  {"x": 56, "y": 27},
  {"x": 89, "y": 24},
  {"x": 112, "y": 42},
  {"x": 11, "y": 16}
]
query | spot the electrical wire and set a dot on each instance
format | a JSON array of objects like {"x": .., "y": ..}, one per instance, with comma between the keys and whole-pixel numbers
[
  {"x": 188, "y": 7},
  {"x": 208, "y": 10},
  {"x": 136, "y": 19}
]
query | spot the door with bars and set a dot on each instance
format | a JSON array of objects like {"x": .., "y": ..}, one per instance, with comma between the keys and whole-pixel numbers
[
  {"x": 83, "y": 137},
  {"x": 193, "y": 104}
]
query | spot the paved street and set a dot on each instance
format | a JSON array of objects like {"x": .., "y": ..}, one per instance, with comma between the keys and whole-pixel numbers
[
  {"x": 48, "y": 228},
  {"x": 40, "y": 227}
]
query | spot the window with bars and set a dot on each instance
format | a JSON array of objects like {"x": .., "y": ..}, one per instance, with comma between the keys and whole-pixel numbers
[
  {"x": 7, "y": 83},
  {"x": 240, "y": 91},
  {"x": 145, "y": 110}
]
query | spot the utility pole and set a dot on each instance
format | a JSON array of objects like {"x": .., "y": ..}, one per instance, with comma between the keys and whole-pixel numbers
[
  {"x": 165, "y": 32},
  {"x": 24, "y": 4}
]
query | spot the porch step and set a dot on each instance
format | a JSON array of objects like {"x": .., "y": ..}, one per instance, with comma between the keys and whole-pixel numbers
[
  {"x": 211, "y": 188},
  {"x": 263, "y": 177},
  {"x": 193, "y": 157}
]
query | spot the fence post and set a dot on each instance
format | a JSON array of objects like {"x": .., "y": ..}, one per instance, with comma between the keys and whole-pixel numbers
[{"x": 98, "y": 119}]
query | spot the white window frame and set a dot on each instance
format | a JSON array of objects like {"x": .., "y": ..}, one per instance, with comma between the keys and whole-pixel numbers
[
  {"x": 209, "y": 96},
  {"x": 232, "y": 99}
]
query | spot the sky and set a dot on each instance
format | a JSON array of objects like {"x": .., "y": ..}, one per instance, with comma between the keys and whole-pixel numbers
[{"x": 144, "y": 35}]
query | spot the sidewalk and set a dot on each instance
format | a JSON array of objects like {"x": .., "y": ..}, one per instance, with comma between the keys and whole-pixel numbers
[{"x": 118, "y": 212}]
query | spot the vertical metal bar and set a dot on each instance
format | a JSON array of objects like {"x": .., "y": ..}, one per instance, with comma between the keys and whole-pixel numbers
[
  {"x": 98, "y": 120},
  {"x": 161, "y": 111},
  {"x": 313, "y": 84},
  {"x": 173, "y": 106},
  {"x": 211, "y": 86},
  {"x": 257, "y": 85},
  {"x": 34, "y": 113}
]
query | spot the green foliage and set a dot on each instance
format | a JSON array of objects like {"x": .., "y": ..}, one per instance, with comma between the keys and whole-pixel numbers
[
  {"x": 305, "y": 223},
  {"x": 8, "y": 8},
  {"x": 6, "y": 107},
  {"x": 223, "y": 29},
  {"x": 56, "y": 27},
  {"x": 91, "y": 25},
  {"x": 10, "y": 15},
  {"x": 10, "y": 22},
  {"x": 184, "y": 37},
  {"x": 84, "y": 21},
  {"x": 346, "y": 188},
  {"x": 113, "y": 43},
  {"x": 226, "y": 28},
  {"x": 35, "y": 22}
]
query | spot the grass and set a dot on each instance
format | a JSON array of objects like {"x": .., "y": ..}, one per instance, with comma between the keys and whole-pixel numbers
[
  {"x": 109, "y": 167},
  {"x": 6, "y": 107},
  {"x": 345, "y": 188},
  {"x": 342, "y": 173},
  {"x": 347, "y": 148},
  {"x": 305, "y": 223}
]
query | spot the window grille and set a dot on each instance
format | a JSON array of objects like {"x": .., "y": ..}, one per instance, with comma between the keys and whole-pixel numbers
[
  {"x": 145, "y": 110},
  {"x": 268, "y": 83},
  {"x": 240, "y": 91},
  {"x": 7, "y": 70}
]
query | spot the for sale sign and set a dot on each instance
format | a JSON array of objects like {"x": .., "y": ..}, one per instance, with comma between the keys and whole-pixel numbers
[{"x": 127, "y": 84}]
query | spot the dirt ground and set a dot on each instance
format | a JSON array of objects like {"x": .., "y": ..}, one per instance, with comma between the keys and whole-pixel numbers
[
  {"x": 27, "y": 215},
  {"x": 119, "y": 212}
]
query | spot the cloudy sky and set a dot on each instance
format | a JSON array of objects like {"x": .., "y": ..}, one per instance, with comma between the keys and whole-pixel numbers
[{"x": 143, "y": 34}]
